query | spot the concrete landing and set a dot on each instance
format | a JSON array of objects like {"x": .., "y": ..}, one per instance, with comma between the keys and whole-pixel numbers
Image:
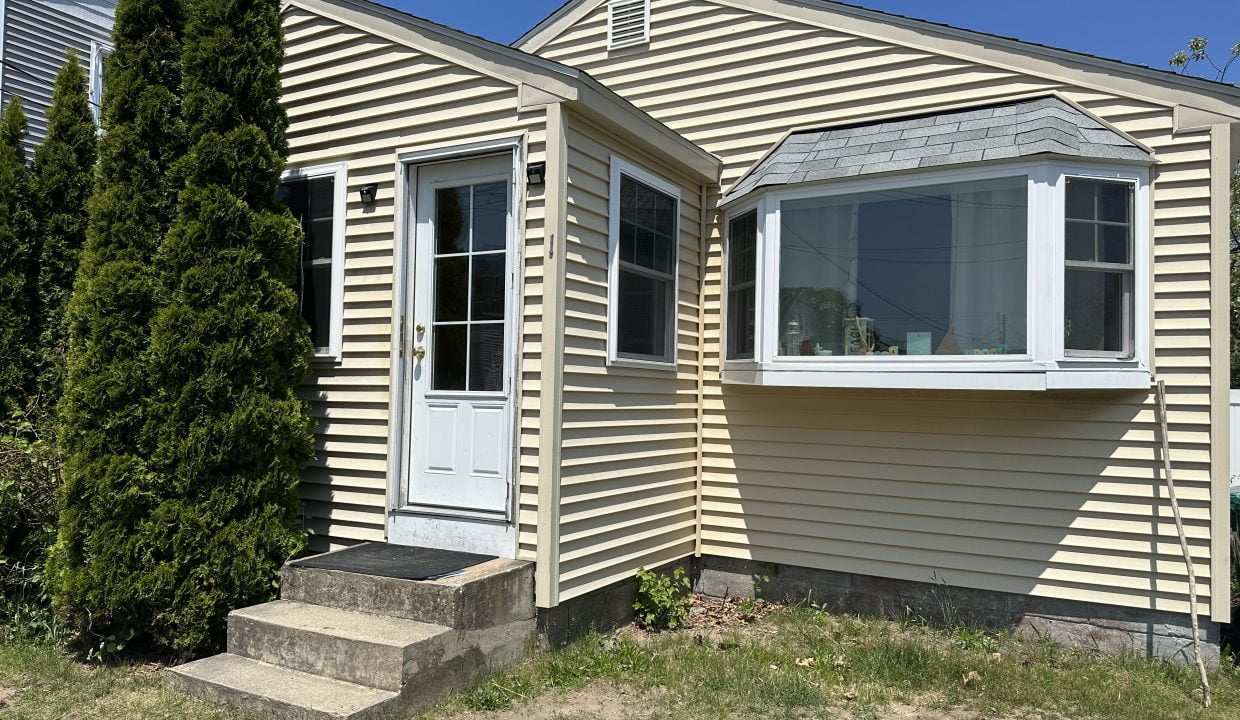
[{"x": 349, "y": 645}]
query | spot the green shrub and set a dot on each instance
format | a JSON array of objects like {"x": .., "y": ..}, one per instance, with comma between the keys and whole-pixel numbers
[
  {"x": 107, "y": 568},
  {"x": 662, "y": 600},
  {"x": 29, "y": 476},
  {"x": 61, "y": 182},
  {"x": 17, "y": 262}
]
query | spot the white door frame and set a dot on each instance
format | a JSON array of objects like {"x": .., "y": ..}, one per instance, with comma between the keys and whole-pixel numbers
[{"x": 430, "y": 527}]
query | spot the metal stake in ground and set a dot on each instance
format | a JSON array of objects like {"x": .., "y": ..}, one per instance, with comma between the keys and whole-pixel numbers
[{"x": 1179, "y": 527}]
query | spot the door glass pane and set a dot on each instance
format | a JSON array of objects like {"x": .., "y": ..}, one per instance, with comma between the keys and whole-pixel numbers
[
  {"x": 448, "y": 363},
  {"x": 1094, "y": 311},
  {"x": 642, "y": 315},
  {"x": 488, "y": 287},
  {"x": 486, "y": 357},
  {"x": 490, "y": 213},
  {"x": 452, "y": 220},
  {"x": 451, "y": 288}
]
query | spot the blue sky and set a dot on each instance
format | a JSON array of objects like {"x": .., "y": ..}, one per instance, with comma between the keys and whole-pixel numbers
[{"x": 1147, "y": 32}]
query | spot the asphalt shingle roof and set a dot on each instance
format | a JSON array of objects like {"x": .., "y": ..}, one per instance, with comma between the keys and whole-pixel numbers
[{"x": 1011, "y": 130}]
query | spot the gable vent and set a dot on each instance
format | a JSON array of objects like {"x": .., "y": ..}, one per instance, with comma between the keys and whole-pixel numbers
[{"x": 628, "y": 23}]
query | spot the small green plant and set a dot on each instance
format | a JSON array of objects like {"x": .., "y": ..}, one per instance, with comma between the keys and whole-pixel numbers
[
  {"x": 662, "y": 600},
  {"x": 972, "y": 639}
]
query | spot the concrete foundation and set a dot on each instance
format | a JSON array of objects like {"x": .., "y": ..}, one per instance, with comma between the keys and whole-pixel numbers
[{"x": 1106, "y": 628}]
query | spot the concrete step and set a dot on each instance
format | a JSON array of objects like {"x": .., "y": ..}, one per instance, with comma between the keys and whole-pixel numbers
[
  {"x": 267, "y": 690},
  {"x": 339, "y": 644},
  {"x": 497, "y": 592}
]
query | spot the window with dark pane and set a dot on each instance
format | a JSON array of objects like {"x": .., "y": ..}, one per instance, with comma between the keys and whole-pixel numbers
[
  {"x": 470, "y": 288},
  {"x": 312, "y": 202},
  {"x": 742, "y": 284},
  {"x": 1098, "y": 276},
  {"x": 645, "y": 292}
]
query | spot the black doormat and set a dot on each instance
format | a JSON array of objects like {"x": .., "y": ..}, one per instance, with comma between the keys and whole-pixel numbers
[{"x": 395, "y": 561}]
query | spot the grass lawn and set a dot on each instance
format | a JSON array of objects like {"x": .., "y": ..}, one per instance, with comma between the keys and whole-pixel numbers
[{"x": 787, "y": 663}]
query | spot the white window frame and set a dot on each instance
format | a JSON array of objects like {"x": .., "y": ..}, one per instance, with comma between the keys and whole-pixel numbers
[
  {"x": 619, "y": 167},
  {"x": 1045, "y": 366},
  {"x": 612, "y": 7},
  {"x": 99, "y": 52},
  {"x": 340, "y": 202}
]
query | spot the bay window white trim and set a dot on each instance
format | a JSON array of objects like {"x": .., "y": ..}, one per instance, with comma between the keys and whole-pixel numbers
[
  {"x": 622, "y": 168},
  {"x": 1044, "y": 366},
  {"x": 340, "y": 201}
]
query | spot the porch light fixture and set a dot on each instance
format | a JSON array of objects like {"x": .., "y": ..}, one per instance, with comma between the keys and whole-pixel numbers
[
  {"x": 536, "y": 173},
  {"x": 368, "y": 192}
]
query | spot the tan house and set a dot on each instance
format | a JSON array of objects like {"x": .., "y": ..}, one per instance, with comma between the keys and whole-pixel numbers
[{"x": 865, "y": 305}]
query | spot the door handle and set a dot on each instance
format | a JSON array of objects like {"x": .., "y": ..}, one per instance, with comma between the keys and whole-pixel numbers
[{"x": 419, "y": 352}]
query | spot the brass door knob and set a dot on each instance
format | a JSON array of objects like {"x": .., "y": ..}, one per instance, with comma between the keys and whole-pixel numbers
[{"x": 419, "y": 352}]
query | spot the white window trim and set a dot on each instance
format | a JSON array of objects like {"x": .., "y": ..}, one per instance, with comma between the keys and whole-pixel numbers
[
  {"x": 643, "y": 39},
  {"x": 620, "y": 166},
  {"x": 757, "y": 206},
  {"x": 340, "y": 202},
  {"x": 1046, "y": 365},
  {"x": 98, "y": 53}
]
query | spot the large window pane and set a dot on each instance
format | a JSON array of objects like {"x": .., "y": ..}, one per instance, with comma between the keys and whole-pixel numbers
[
  {"x": 1094, "y": 306},
  {"x": 929, "y": 270},
  {"x": 647, "y": 257},
  {"x": 742, "y": 273},
  {"x": 642, "y": 318}
]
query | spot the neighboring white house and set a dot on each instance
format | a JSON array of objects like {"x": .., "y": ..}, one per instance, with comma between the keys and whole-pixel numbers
[
  {"x": 34, "y": 35},
  {"x": 864, "y": 304}
]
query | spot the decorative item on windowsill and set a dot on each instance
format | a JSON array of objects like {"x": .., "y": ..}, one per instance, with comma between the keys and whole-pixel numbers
[
  {"x": 792, "y": 338},
  {"x": 859, "y": 336}
]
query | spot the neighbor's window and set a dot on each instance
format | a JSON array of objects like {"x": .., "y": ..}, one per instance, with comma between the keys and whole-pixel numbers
[
  {"x": 1098, "y": 277},
  {"x": 742, "y": 284},
  {"x": 98, "y": 56},
  {"x": 312, "y": 198},
  {"x": 926, "y": 270},
  {"x": 643, "y": 287}
]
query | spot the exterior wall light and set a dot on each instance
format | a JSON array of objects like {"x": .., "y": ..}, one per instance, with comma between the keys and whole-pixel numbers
[
  {"x": 368, "y": 192},
  {"x": 536, "y": 173}
]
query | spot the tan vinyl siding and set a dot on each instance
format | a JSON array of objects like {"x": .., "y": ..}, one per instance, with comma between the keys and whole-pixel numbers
[
  {"x": 629, "y": 445},
  {"x": 1053, "y": 494},
  {"x": 358, "y": 98}
]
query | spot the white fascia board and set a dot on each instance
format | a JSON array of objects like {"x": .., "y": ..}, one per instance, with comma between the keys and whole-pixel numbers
[{"x": 610, "y": 110}]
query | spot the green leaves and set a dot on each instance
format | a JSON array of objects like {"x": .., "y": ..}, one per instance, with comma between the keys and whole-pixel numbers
[{"x": 662, "y": 601}]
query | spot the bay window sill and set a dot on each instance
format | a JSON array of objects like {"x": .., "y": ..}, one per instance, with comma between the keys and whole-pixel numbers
[{"x": 1009, "y": 376}]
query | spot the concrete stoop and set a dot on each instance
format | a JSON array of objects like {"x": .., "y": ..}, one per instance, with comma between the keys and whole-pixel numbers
[{"x": 347, "y": 645}]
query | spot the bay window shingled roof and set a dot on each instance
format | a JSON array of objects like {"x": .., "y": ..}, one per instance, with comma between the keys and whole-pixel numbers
[{"x": 1040, "y": 126}]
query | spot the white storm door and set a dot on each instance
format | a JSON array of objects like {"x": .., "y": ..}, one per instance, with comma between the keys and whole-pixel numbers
[{"x": 460, "y": 385}]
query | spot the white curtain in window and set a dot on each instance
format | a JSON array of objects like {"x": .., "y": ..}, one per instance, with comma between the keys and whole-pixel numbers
[{"x": 988, "y": 288}]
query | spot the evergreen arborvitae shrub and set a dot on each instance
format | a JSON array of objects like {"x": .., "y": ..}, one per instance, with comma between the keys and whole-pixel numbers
[
  {"x": 17, "y": 264},
  {"x": 230, "y": 347},
  {"x": 103, "y": 568},
  {"x": 62, "y": 175}
]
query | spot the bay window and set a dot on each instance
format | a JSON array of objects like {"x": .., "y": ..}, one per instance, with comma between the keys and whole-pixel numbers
[{"x": 1030, "y": 276}]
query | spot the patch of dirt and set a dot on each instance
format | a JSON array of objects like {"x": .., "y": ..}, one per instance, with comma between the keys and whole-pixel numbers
[
  {"x": 921, "y": 712},
  {"x": 596, "y": 701},
  {"x": 7, "y": 696}
]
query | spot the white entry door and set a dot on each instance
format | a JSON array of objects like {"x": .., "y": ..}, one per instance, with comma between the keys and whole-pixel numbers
[{"x": 460, "y": 373}]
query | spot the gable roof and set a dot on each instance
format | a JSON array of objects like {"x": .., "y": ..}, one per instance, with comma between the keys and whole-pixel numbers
[
  {"x": 1095, "y": 71},
  {"x": 1005, "y": 131},
  {"x": 541, "y": 80}
]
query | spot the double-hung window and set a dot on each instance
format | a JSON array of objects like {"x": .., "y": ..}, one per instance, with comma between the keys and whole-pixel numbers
[
  {"x": 643, "y": 267},
  {"x": 99, "y": 53},
  {"x": 1098, "y": 260},
  {"x": 317, "y": 197}
]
